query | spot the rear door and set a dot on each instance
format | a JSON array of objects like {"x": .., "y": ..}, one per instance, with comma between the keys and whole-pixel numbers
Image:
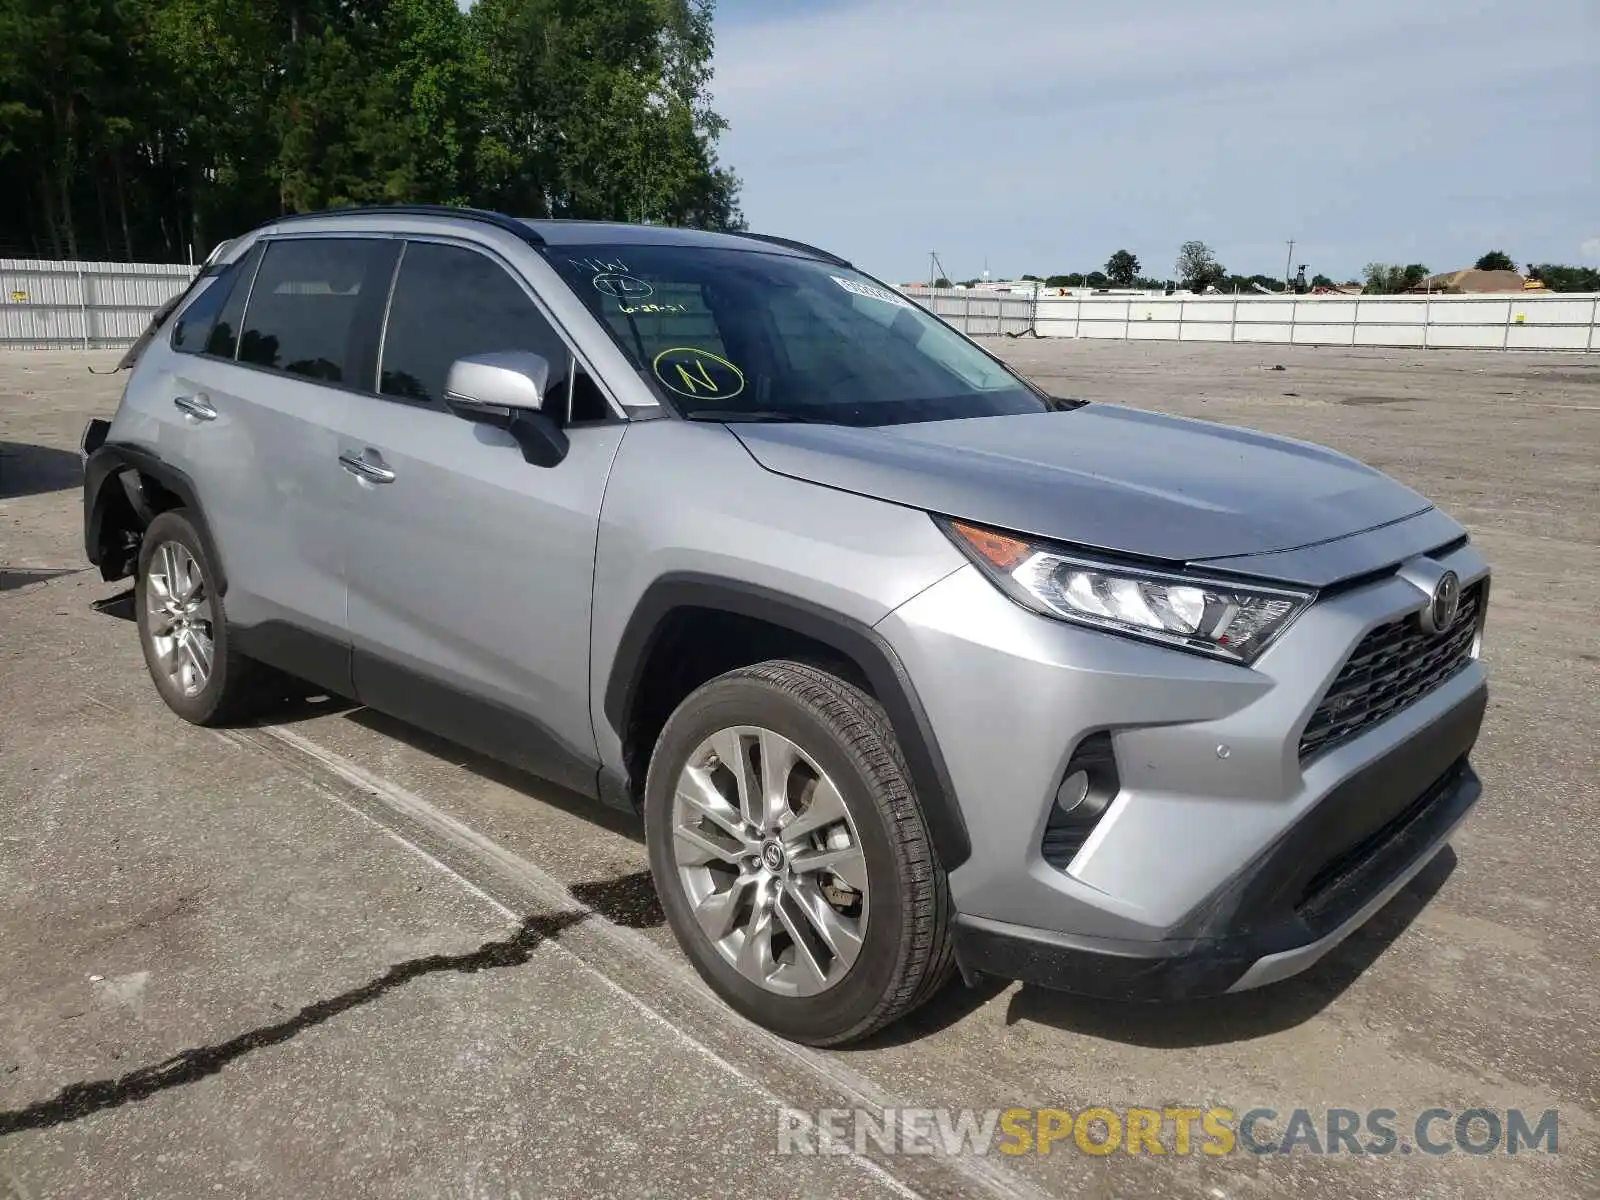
[
  {"x": 260, "y": 404},
  {"x": 470, "y": 570}
]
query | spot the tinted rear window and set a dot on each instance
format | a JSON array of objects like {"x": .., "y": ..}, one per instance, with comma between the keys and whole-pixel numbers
[
  {"x": 195, "y": 322},
  {"x": 305, "y": 308},
  {"x": 224, "y": 339}
]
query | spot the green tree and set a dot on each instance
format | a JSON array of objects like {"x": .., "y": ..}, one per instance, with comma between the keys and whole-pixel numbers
[
  {"x": 378, "y": 112},
  {"x": 941, "y": 282},
  {"x": 1249, "y": 283},
  {"x": 1197, "y": 267},
  {"x": 1495, "y": 260},
  {"x": 600, "y": 110},
  {"x": 155, "y": 128},
  {"x": 1122, "y": 268},
  {"x": 426, "y": 63},
  {"x": 58, "y": 65},
  {"x": 1560, "y": 278},
  {"x": 1385, "y": 279},
  {"x": 209, "y": 147}
]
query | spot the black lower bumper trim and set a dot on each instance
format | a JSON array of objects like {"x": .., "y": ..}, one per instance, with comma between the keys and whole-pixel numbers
[{"x": 1204, "y": 971}]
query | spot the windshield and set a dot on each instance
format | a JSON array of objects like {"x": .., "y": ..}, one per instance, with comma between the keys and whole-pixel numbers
[{"x": 742, "y": 334}]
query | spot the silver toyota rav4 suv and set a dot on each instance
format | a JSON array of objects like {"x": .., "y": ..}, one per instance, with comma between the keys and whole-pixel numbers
[{"x": 910, "y": 667}]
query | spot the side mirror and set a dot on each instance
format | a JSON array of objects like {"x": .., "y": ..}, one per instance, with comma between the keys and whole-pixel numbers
[
  {"x": 506, "y": 389},
  {"x": 486, "y": 386}
]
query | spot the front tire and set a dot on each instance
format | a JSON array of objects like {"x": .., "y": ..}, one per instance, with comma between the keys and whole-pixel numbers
[
  {"x": 183, "y": 627},
  {"x": 791, "y": 857}
]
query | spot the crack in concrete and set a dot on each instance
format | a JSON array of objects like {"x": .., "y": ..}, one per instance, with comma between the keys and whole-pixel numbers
[{"x": 79, "y": 1100}]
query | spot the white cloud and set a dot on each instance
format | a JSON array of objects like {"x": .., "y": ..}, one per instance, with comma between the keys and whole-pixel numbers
[{"x": 1590, "y": 249}]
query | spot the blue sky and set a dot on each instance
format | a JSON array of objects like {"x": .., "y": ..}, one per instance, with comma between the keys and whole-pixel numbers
[{"x": 1044, "y": 134}]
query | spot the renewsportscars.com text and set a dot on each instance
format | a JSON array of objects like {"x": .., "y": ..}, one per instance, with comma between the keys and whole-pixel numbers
[{"x": 1167, "y": 1130}]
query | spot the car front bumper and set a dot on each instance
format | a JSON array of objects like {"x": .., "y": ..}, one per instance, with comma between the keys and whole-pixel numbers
[
  {"x": 1252, "y": 937},
  {"x": 1224, "y": 862}
]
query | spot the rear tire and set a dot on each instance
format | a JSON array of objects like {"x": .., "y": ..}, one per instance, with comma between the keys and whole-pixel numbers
[
  {"x": 816, "y": 956},
  {"x": 183, "y": 627}
]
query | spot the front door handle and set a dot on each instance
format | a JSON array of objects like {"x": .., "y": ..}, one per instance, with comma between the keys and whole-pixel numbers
[
  {"x": 358, "y": 466},
  {"x": 197, "y": 406}
]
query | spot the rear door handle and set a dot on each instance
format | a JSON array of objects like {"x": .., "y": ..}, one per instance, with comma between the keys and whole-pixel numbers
[
  {"x": 358, "y": 466},
  {"x": 197, "y": 406}
]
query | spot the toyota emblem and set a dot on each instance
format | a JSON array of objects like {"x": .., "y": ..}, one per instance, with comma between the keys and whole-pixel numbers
[{"x": 1444, "y": 605}]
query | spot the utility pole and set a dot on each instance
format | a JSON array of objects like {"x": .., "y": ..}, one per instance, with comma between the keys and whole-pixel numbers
[{"x": 1288, "y": 260}]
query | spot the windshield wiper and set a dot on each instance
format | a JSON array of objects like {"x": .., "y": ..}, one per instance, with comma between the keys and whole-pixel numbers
[{"x": 771, "y": 416}]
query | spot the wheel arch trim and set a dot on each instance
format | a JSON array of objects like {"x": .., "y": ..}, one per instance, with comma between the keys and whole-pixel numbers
[
  {"x": 858, "y": 643},
  {"x": 111, "y": 461}
]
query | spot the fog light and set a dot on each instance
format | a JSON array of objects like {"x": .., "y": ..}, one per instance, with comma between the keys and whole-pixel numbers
[
  {"x": 1074, "y": 790},
  {"x": 1086, "y": 791}
]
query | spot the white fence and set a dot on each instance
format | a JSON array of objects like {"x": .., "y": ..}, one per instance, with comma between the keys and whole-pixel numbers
[
  {"x": 87, "y": 304},
  {"x": 978, "y": 314},
  {"x": 56, "y": 305},
  {"x": 1514, "y": 322}
]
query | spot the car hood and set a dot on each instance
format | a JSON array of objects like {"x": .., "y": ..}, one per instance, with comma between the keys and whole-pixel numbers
[{"x": 1101, "y": 476}]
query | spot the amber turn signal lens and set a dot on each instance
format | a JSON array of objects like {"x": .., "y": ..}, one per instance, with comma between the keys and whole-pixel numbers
[{"x": 1002, "y": 552}]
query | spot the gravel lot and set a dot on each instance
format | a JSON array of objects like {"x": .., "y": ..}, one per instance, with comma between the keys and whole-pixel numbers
[{"x": 332, "y": 955}]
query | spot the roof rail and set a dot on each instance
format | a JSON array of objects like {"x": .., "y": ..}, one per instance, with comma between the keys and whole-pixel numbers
[
  {"x": 794, "y": 245},
  {"x": 521, "y": 228},
  {"x": 510, "y": 224}
]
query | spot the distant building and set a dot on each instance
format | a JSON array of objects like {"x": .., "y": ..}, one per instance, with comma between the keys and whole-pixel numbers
[{"x": 1472, "y": 281}]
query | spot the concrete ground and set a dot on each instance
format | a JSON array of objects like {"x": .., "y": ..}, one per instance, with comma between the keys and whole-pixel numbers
[{"x": 333, "y": 955}]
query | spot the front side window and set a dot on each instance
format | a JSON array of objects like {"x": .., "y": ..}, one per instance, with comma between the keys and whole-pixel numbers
[
  {"x": 449, "y": 303},
  {"x": 773, "y": 336},
  {"x": 304, "y": 315}
]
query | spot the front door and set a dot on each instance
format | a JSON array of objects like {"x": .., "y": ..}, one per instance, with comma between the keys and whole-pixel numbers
[{"x": 470, "y": 570}]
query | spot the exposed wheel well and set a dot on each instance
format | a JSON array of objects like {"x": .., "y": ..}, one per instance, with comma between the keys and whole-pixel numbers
[
  {"x": 694, "y": 645},
  {"x": 128, "y": 504}
]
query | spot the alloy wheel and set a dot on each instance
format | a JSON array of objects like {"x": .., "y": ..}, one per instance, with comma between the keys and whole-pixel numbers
[
  {"x": 770, "y": 861},
  {"x": 179, "y": 619}
]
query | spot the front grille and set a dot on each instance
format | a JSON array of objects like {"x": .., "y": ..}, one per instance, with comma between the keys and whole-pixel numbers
[{"x": 1395, "y": 665}]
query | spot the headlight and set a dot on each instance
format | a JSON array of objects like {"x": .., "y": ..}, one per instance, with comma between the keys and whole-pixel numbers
[{"x": 1209, "y": 616}]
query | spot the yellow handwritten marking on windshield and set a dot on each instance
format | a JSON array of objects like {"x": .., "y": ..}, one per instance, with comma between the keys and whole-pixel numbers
[{"x": 697, "y": 373}]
